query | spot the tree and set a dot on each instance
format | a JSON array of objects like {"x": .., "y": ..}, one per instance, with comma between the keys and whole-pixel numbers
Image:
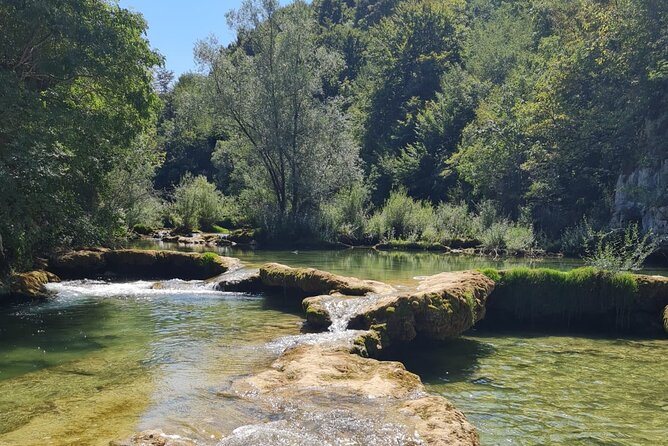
[
  {"x": 75, "y": 91},
  {"x": 296, "y": 144},
  {"x": 408, "y": 53}
]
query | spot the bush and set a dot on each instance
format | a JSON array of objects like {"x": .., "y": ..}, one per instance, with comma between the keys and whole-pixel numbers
[
  {"x": 454, "y": 221},
  {"x": 197, "y": 203},
  {"x": 624, "y": 250},
  {"x": 578, "y": 239},
  {"x": 345, "y": 217},
  {"x": 403, "y": 218}
]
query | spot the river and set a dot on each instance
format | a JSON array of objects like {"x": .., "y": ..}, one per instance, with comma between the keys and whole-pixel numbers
[{"x": 102, "y": 360}]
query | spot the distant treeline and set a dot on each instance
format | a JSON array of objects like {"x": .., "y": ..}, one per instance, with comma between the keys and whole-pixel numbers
[{"x": 324, "y": 120}]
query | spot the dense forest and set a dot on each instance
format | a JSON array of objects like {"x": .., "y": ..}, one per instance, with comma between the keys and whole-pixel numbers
[{"x": 508, "y": 122}]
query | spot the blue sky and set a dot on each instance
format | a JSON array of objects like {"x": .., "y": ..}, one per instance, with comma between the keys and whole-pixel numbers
[{"x": 175, "y": 26}]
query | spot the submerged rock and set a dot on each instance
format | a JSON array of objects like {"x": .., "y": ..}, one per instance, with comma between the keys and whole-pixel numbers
[
  {"x": 312, "y": 282},
  {"x": 154, "y": 438},
  {"x": 32, "y": 284},
  {"x": 138, "y": 263},
  {"x": 443, "y": 306}
]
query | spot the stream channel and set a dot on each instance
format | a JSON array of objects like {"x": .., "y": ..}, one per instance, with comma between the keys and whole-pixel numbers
[{"x": 103, "y": 360}]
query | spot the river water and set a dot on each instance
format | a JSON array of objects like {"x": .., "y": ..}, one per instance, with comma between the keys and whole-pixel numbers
[{"x": 101, "y": 361}]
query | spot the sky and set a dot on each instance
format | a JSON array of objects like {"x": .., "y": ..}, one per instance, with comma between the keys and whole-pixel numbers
[{"x": 176, "y": 25}]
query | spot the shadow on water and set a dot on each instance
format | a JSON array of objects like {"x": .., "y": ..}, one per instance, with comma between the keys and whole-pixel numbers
[
  {"x": 454, "y": 360},
  {"x": 38, "y": 328}
]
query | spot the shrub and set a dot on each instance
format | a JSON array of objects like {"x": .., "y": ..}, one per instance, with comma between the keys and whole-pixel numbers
[
  {"x": 519, "y": 237},
  {"x": 197, "y": 203},
  {"x": 493, "y": 238},
  {"x": 454, "y": 221},
  {"x": 624, "y": 250},
  {"x": 402, "y": 218},
  {"x": 578, "y": 239},
  {"x": 345, "y": 216}
]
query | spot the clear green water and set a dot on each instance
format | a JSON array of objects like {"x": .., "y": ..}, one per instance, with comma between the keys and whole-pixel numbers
[
  {"x": 101, "y": 361},
  {"x": 552, "y": 390}
]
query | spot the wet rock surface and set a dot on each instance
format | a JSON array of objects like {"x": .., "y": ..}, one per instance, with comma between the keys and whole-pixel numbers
[
  {"x": 349, "y": 400},
  {"x": 31, "y": 284},
  {"x": 153, "y": 438},
  {"x": 138, "y": 263},
  {"x": 443, "y": 306},
  {"x": 310, "y": 282}
]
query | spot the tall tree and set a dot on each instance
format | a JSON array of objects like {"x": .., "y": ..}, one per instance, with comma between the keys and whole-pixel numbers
[
  {"x": 296, "y": 145},
  {"x": 75, "y": 92}
]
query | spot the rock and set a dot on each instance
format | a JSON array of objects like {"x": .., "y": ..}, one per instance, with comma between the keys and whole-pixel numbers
[
  {"x": 312, "y": 282},
  {"x": 79, "y": 264},
  {"x": 317, "y": 315},
  {"x": 665, "y": 319},
  {"x": 638, "y": 196},
  {"x": 154, "y": 438},
  {"x": 584, "y": 299},
  {"x": 443, "y": 306},
  {"x": 32, "y": 284},
  {"x": 242, "y": 281},
  {"x": 242, "y": 236},
  {"x": 321, "y": 379},
  {"x": 138, "y": 263}
]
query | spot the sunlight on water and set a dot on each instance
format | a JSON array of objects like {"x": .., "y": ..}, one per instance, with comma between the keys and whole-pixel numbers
[
  {"x": 103, "y": 360},
  {"x": 552, "y": 390}
]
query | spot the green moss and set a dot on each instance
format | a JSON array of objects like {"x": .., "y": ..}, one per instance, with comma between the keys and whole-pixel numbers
[
  {"x": 209, "y": 258},
  {"x": 219, "y": 230},
  {"x": 542, "y": 292},
  {"x": 491, "y": 273},
  {"x": 390, "y": 309}
]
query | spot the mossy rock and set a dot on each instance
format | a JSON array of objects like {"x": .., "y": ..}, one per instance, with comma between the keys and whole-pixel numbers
[
  {"x": 316, "y": 314},
  {"x": 583, "y": 299},
  {"x": 32, "y": 284},
  {"x": 140, "y": 264},
  {"x": 312, "y": 282},
  {"x": 444, "y": 306}
]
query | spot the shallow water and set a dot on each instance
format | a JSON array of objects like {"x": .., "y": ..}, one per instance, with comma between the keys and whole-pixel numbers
[
  {"x": 101, "y": 361},
  {"x": 522, "y": 389}
]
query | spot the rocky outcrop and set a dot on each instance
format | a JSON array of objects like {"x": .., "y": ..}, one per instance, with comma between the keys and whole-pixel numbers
[
  {"x": 311, "y": 282},
  {"x": 583, "y": 299},
  {"x": 369, "y": 391},
  {"x": 443, "y": 306},
  {"x": 138, "y": 263},
  {"x": 31, "y": 285},
  {"x": 640, "y": 195}
]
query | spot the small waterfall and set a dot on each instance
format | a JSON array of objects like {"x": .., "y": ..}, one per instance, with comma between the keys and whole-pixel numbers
[{"x": 342, "y": 309}]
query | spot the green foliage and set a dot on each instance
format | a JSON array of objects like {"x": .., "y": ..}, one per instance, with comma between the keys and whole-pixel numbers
[
  {"x": 296, "y": 148},
  {"x": 624, "y": 250},
  {"x": 492, "y": 274},
  {"x": 454, "y": 221},
  {"x": 402, "y": 218},
  {"x": 346, "y": 214},
  {"x": 75, "y": 93},
  {"x": 197, "y": 203}
]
